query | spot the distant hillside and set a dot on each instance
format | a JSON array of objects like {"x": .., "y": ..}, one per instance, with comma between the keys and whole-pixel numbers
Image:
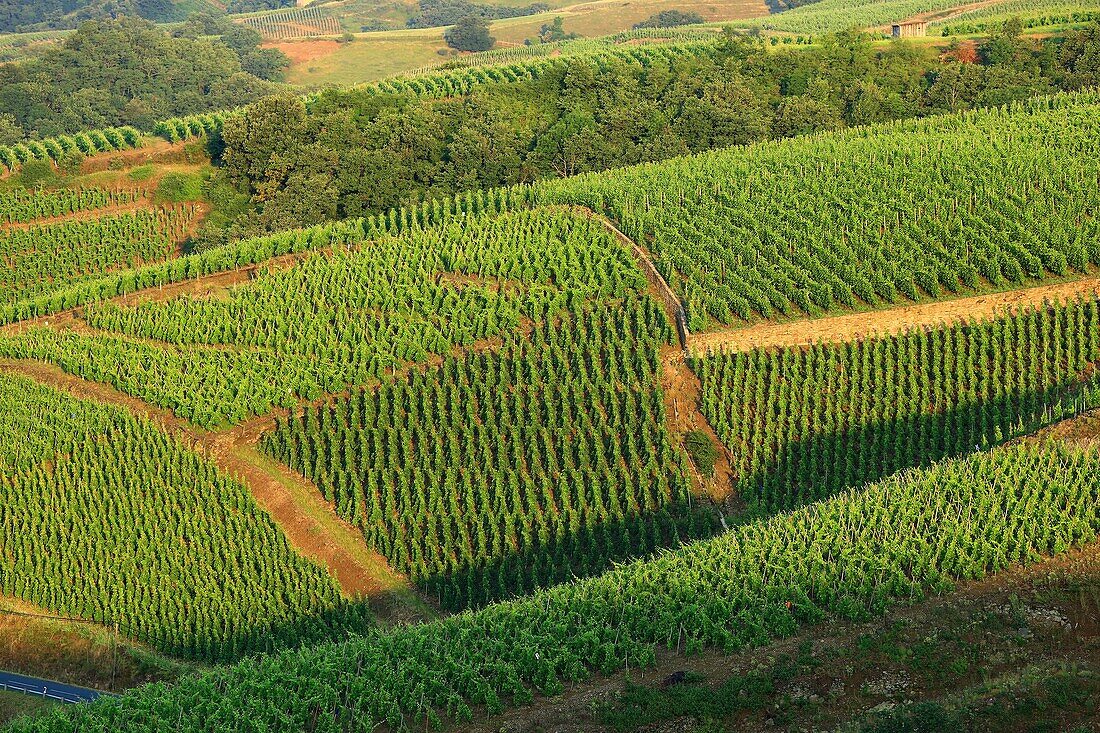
[{"x": 27, "y": 15}]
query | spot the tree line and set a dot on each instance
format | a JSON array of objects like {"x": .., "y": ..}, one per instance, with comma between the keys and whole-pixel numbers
[
  {"x": 128, "y": 71},
  {"x": 349, "y": 152}
]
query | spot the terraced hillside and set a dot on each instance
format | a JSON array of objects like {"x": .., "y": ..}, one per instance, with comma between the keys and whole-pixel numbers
[
  {"x": 865, "y": 219},
  {"x": 492, "y": 404}
]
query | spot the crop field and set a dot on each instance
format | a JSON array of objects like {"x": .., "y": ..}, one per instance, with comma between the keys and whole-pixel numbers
[
  {"x": 178, "y": 555},
  {"x": 294, "y": 23},
  {"x": 447, "y": 461},
  {"x": 339, "y": 319},
  {"x": 45, "y": 257},
  {"x": 831, "y": 16},
  {"x": 497, "y": 474},
  {"x": 866, "y": 218},
  {"x": 806, "y": 423},
  {"x": 1031, "y": 13},
  {"x": 856, "y": 555},
  {"x": 21, "y": 206}
]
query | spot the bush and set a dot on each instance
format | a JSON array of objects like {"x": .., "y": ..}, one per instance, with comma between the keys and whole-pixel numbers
[
  {"x": 37, "y": 174},
  {"x": 141, "y": 173},
  {"x": 701, "y": 451},
  {"x": 178, "y": 187}
]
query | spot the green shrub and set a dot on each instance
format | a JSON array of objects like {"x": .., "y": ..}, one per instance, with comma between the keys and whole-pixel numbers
[
  {"x": 178, "y": 187},
  {"x": 142, "y": 172},
  {"x": 37, "y": 174},
  {"x": 702, "y": 452}
]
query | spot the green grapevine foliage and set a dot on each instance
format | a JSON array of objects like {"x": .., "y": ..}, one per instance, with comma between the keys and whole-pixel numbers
[
  {"x": 106, "y": 518},
  {"x": 855, "y": 555},
  {"x": 89, "y": 143},
  {"x": 48, "y": 257},
  {"x": 804, "y": 423},
  {"x": 343, "y": 318},
  {"x": 866, "y": 217},
  {"x": 499, "y": 473},
  {"x": 27, "y": 206}
]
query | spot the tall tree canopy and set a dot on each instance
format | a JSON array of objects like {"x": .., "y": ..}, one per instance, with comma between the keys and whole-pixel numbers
[{"x": 127, "y": 71}]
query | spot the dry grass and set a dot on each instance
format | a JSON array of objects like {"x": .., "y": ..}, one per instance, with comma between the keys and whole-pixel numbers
[
  {"x": 380, "y": 54},
  {"x": 604, "y": 17},
  {"x": 371, "y": 57},
  {"x": 79, "y": 654}
]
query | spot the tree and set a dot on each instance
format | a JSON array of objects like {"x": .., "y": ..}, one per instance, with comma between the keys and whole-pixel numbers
[
  {"x": 1079, "y": 58},
  {"x": 727, "y": 112},
  {"x": 551, "y": 32},
  {"x": 670, "y": 19},
  {"x": 804, "y": 115},
  {"x": 10, "y": 131},
  {"x": 470, "y": 33},
  {"x": 1004, "y": 47}
]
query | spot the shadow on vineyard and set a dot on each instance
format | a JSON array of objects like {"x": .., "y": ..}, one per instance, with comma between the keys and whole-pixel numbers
[
  {"x": 820, "y": 465},
  {"x": 581, "y": 551}
]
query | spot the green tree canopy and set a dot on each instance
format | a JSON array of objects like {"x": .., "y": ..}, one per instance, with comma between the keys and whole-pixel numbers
[{"x": 470, "y": 33}]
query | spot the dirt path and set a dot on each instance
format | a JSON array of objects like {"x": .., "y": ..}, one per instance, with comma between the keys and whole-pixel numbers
[
  {"x": 682, "y": 391},
  {"x": 942, "y": 15},
  {"x": 679, "y": 383},
  {"x": 856, "y": 326},
  {"x": 309, "y": 522}
]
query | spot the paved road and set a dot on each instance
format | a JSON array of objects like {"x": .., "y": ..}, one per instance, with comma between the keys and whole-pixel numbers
[{"x": 46, "y": 688}]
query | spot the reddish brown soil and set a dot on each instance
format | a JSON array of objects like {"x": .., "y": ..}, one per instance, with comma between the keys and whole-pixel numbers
[
  {"x": 857, "y": 326},
  {"x": 682, "y": 399},
  {"x": 159, "y": 151},
  {"x": 301, "y": 52}
]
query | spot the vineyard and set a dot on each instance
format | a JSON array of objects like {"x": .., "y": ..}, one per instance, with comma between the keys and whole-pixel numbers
[
  {"x": 106, "y": 518},
  {"x": 496, "y": 474},
  {"x": 17, "y": 207},
  {"x": 48, "y": 257},
  {"x": 831, "y": 16},
  {"x": 865, "y": 218},
  {"x": 348, "y": 317},
  {"x": 1031, "y": 13},
  {"x": 853, "y": 556},
  {"x": 805, "y": 423},
  {"x": 85, "y": 143},
  {"x": 295, "y": 23},
  {"x": 478, "y": 407}
]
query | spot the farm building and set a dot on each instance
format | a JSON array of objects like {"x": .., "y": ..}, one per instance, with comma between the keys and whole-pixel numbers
[{"x": 908, "y": 30}]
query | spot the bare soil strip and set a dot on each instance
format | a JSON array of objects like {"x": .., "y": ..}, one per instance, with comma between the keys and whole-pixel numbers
[
  {"x": 682, "y": 391},
  {"x": 309, "y": 522},
  {"x": 857, "y": 326},
  {"x": 679, "y": 383}
]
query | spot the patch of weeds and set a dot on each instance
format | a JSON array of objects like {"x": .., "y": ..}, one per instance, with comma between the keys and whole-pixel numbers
[{"x": 141, "y": 173}]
